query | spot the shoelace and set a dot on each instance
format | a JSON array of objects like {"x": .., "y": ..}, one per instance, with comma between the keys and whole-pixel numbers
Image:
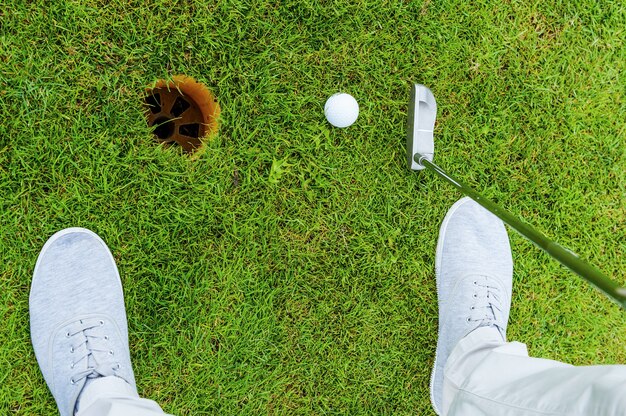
[
  {"x": 89, "y": 342},
  {"x": 488, "y": 308}
]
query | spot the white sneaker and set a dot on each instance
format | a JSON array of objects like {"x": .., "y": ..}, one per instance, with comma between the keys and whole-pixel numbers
[
  {"x": 77, "y": 316},
  {"x": 474, "y": 271}
]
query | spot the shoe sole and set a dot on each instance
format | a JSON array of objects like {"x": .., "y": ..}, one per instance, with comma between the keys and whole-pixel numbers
[{"x": 440, "y": 242}]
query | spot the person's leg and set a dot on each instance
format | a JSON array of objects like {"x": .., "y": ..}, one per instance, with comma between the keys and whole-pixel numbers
[
  {"x": 486, "y": 376},
  {"x": 79, "y": 330},
  {"x": 476, "y": 371},
  {"x": 112, "y": 396}
]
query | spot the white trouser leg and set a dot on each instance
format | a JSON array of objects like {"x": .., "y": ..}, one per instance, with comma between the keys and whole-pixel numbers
[
  {"x": 486, "y": 376},
  {"x": 112, "y": 396}
]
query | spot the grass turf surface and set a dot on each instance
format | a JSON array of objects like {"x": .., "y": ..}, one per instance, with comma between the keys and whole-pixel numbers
[{"x": 288, "y": 268}]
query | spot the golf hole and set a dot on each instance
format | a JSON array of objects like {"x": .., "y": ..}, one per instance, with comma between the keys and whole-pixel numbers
[{"x": 181, "y": 111}]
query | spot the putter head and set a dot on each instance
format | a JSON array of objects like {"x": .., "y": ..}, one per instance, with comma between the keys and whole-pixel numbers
[{"x": 420, "y": 126}]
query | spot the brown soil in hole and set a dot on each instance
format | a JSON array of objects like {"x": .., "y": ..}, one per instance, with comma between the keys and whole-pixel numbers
[{"x": 182, "y": 111}]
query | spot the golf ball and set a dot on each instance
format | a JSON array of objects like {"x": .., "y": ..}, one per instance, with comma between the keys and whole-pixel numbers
[{"x": 341, "y": 110}]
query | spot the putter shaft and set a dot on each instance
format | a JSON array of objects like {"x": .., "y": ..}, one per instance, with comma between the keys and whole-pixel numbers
[{"x": 567, "y": 258}]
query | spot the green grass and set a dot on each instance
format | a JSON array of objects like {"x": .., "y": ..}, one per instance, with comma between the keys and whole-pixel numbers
[{"x": 289, "y": 268}]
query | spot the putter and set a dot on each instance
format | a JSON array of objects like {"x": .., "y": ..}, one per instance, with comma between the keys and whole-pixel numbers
[{"x": 420, "y": 148}]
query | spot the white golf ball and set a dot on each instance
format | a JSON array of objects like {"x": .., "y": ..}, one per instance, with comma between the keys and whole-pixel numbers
[{"x": 341, "y": 110}]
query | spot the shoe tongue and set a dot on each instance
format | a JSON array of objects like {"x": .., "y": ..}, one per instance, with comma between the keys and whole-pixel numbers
[
  {"x": 497, "y": 320},
  {"x": 495, "y": 317},
  {"x": 502, "y": 332},
  {"x": 99, "y": 359},
  {"x": 91, "y": 363}
]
